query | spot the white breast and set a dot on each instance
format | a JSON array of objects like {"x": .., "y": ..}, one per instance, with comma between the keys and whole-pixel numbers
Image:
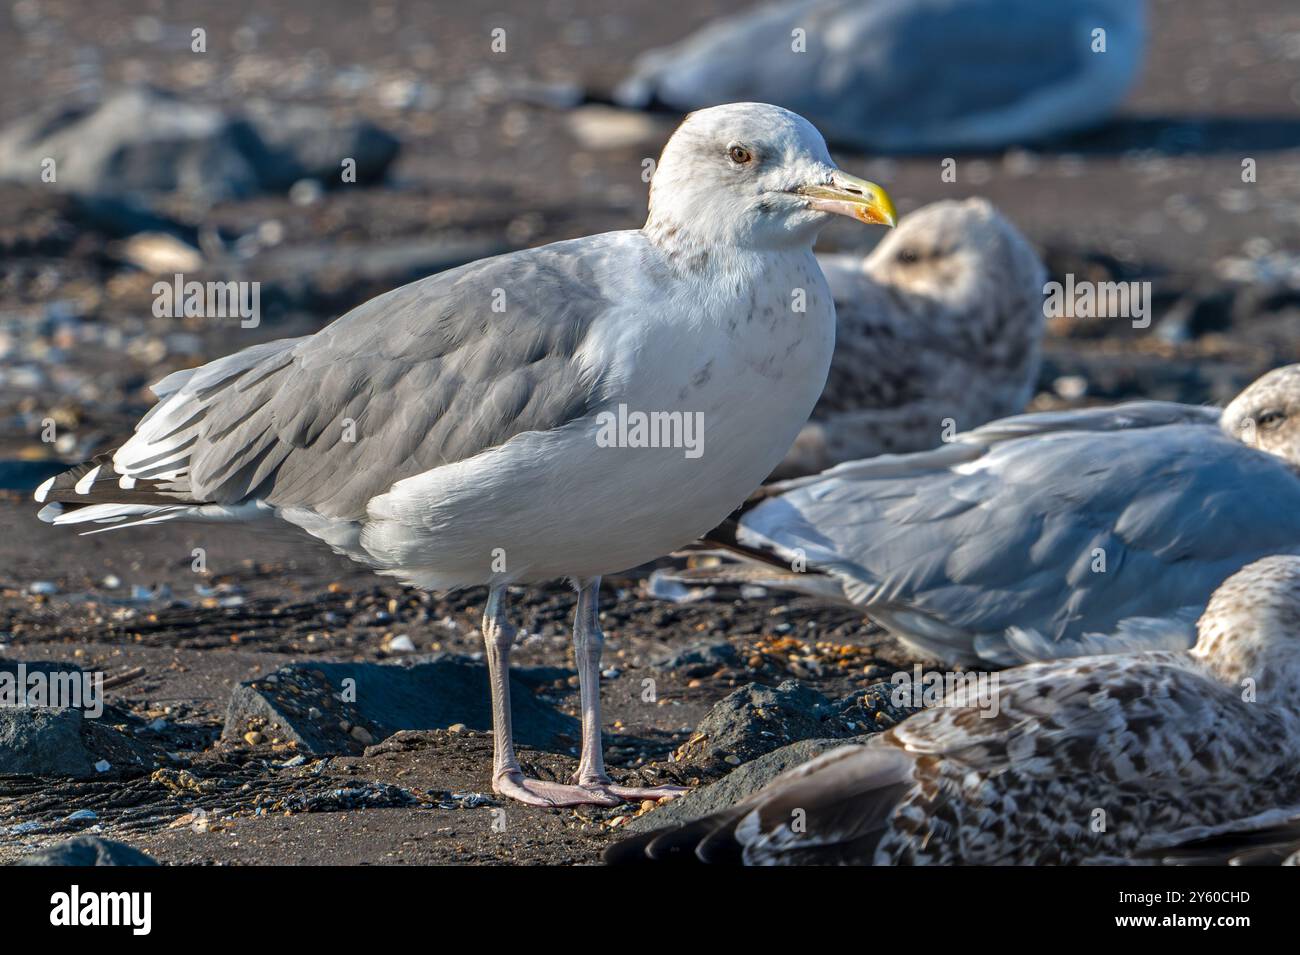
[{"x": 738, "y": 357}]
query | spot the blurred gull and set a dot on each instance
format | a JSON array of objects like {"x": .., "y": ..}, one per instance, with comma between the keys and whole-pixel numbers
[
  {"x": 938, "y": 329},
  {"x": 456, "y": 431},
  {"x": 1166, "y": 744},
  {"x": 1044, "y": 535},
  {"x": 910, "y": 75}
]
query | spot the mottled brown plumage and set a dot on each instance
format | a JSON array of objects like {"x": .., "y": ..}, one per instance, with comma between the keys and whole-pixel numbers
[
  {"x": 938, "y": 330},
  {"x": 1081, "y": 759}
]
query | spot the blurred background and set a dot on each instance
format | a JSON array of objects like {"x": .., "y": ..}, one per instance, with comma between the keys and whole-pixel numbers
[{"x": 223, "y": 164}]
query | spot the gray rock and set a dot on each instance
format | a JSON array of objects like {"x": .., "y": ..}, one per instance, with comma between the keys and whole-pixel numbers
[
  {"x": 743, "y": 782},
  {"x": 138, "y": 140},
  {"x": 313, "y": 144},
  {"x": 87, "y": 851},
  {"x": 61, "y": 741},
  {"x": 313, "y": 705},
  {"x": 43, "y": 741},
  {"x": 700, "y": 659},
  {"x": 757, "y": 719},
  {"x": 142, "y": 140}
]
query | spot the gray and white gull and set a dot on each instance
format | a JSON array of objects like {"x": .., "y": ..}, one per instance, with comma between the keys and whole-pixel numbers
[
  {"x": 457, "y": 431},
  {"x": 1098, "y": 758},
  {"x": 910, "y": 75},
  {"x": 1042, "y": 535}
]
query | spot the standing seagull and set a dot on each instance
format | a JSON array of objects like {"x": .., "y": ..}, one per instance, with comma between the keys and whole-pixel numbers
[
  {"x": 1161, "y": 748},
  {"x": 459, "y": 430}
]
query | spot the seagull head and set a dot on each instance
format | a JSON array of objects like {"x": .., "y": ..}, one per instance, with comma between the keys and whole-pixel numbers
[
  {"x": 961, "y": 253},
  {"x": 754, "y": 176},
  {"x": 1267, "y": 414},
  {"x": 1251, "y": 629}
]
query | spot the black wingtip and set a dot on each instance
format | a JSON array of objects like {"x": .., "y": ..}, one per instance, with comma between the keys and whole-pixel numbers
[{"x": 710, "y": 840}]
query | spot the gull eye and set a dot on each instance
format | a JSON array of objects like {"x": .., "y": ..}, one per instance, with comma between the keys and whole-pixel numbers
[
  {"x": 908, "y": 256},
  {"x": 1270, "y": 419},
  {"x": 740, "y": 155}
]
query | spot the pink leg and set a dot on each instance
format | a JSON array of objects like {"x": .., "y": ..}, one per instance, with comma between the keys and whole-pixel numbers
[
  {"x": 507, "y": 777},
  {"x": 588, "y": 644}
]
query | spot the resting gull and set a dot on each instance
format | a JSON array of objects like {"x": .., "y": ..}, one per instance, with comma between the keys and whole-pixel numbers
[
  {"x": 910, "y": 75},
  {"x": 1104, "y": 756},
  {"x": 938, "y": 331},
  {"x": 479, "y": 426},
  {"x": 1044, "y": 535}
]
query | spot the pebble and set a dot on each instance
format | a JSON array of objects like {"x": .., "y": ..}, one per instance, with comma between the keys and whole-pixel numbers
[
  {"x": 111, "y": 582},
  {"x": 252, "y": 738},
  {"x": 362, "y": 735},
  {"x": 82, "y": 815},
  {"x": 42, "y": 587},
  {"x": 456, "y": 728},
  {"x": 305, "y": 192},
  {"x": 103, "y": 766},
  {"x": 601, "y": 127},
  {"x": 401, "y": 644}
]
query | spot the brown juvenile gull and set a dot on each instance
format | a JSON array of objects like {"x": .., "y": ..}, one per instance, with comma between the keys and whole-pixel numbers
[
  {"x": 938, "y": 330},
  {"x": 1043, "y": 535},
  {"x": 1098, "y": 756},
  {"x": 480, "y": 426}
]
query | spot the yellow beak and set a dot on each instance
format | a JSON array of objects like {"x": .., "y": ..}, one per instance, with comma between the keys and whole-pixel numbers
[{"x": 850, "y": 196}]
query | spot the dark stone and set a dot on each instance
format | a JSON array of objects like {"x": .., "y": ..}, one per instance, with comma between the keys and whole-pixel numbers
[
  {"x": 311, "y": 143},
  {"x": 758, "y": 710},
  {"x": 1200, "y": 311},
  {"x": 87, "y": 851},
  {"x": 757, "y": 719},
  {"x": 66, "y": 741},
  {"x": 141, "y": 140},
  {"x": 700, "y": 659},
  {"x": 43, "y": 741},
  {"x": 138, "y": 140},
  {"x": 300, "y": 702},
  {"x": 739, "y": 784}
]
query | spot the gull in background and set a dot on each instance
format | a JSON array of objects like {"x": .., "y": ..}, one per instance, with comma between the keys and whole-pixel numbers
[
  {"x": 1169, "y": 747},
  {"x": 938, "y": 330},
  {"x": 1043, "y": 535},
  {"x": 448, "y": 442},
  {"x": 910, "y": 75}
]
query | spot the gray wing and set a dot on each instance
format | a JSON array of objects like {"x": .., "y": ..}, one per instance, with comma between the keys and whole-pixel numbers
[
  {"x": 422, "y": 376},
  {"x": 1063, "y": 535}
]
